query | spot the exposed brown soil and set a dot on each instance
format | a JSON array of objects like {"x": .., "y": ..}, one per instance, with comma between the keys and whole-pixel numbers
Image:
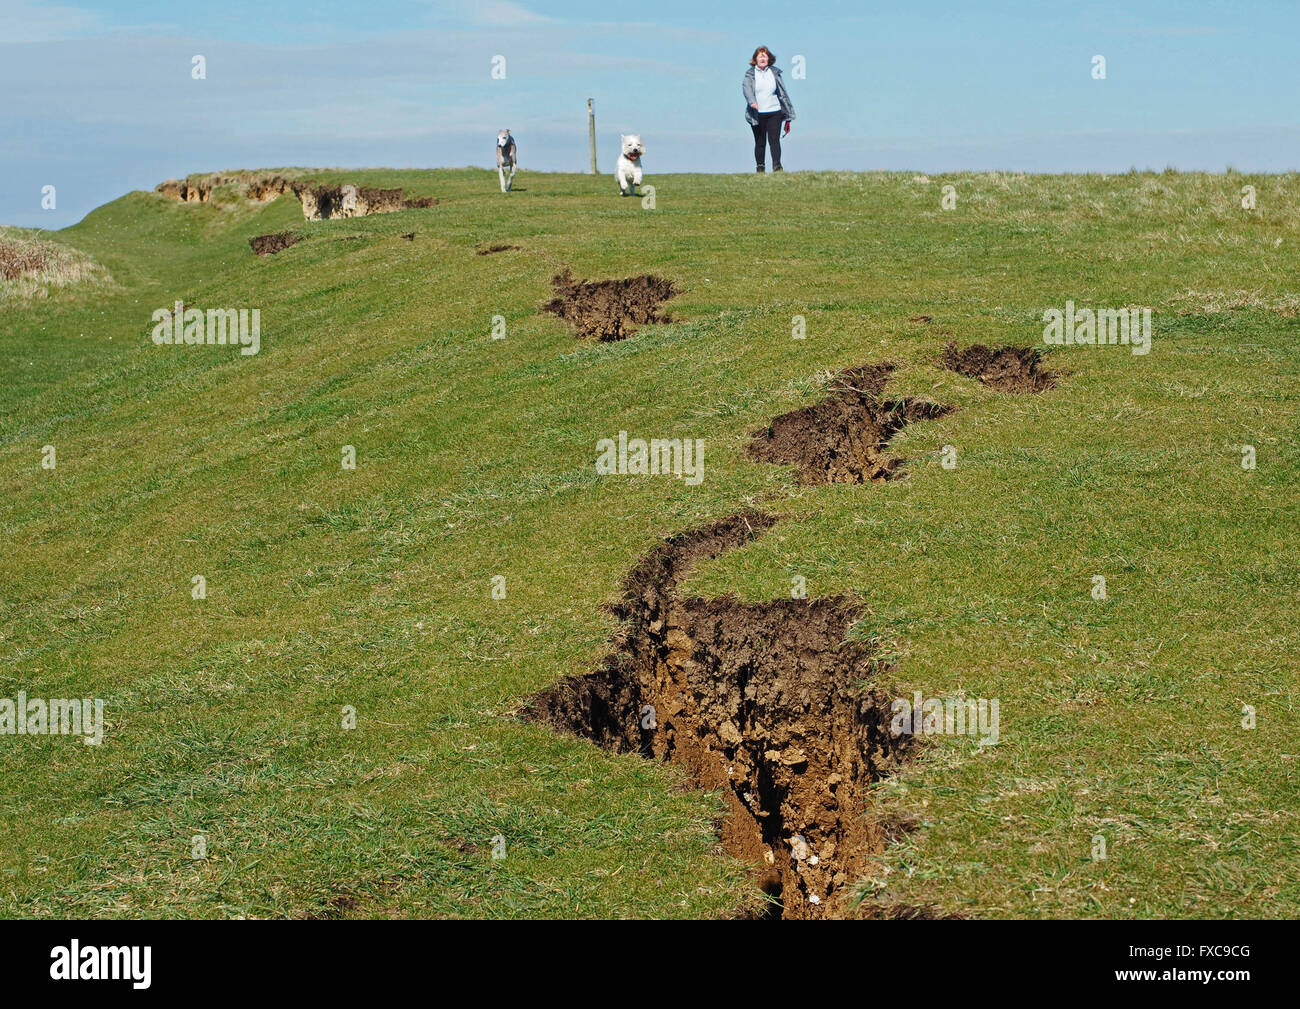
[
  {"x": 409, "y": 236},
  {"x": 172, "y": 189},
  {"x": 497, "y": 248},
  {"x": 264, "y": 190},
  {"x": 1007, "y": 369},
  {"x": 767, "y": 702},
  {"x": 843, "y": 439},
  {"x": 260, "y": 188},
  {"x": 379, "y": 201},
  {"x": 607, "y": 309},
  {"x": 268, "y": 245},
  {"x": 318, "y": 202},
  {"x": 185, "y": 192},
  {"x": 321, "y": 203}
]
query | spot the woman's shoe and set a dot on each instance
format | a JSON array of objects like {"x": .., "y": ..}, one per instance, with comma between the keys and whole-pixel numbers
[
  {"x": 777, "y": 168},
  {"x": 760, "y": 169}
]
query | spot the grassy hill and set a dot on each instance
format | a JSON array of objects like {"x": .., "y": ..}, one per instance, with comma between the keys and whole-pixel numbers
[{"x": 372, "y": 588}]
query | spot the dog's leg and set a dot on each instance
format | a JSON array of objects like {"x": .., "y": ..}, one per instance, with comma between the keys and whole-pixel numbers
[
  {"x": 502, "y": 176},
  {"x": 510, "y": 182},
  {"x": 636, "y": 180}
]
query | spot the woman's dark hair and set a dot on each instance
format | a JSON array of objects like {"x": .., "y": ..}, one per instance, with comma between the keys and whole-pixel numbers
[{"x": 771, "y": 56}]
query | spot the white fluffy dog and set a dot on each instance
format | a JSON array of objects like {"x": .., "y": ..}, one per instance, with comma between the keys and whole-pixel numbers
[
  {"x": 507, "y": 157},
  {"x": 628, "y": 170}
]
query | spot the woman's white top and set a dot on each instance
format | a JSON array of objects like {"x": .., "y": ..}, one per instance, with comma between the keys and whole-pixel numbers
[{"x": 765, "y": 91}]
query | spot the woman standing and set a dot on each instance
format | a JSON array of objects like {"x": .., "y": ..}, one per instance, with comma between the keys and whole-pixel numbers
[{"x": 767, "y": 105}]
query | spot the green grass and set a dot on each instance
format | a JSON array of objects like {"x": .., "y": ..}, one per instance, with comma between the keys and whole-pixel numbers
[{"x": 475, "y": 457}]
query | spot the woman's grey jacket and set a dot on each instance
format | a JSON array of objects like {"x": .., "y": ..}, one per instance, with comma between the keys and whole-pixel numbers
[{"x": 747, "y": 86}]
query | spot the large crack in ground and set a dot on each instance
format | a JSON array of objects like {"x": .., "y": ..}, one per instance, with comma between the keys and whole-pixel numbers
[
  {"x": 843, "y": 438},
  {"x": 768, "y": 702},
  {"x": 771, "y": 703}
]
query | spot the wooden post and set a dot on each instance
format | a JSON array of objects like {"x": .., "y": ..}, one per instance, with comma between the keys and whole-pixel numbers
[{"x": 591, "y": 136}]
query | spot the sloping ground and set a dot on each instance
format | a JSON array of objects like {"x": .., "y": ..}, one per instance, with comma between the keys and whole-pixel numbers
[{"x": 374, "y": 589}]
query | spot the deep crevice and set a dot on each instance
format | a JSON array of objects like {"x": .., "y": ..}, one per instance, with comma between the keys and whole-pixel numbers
[{"x": 767, "y": 702}]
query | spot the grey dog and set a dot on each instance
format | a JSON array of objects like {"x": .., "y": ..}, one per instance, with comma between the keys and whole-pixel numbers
[{"x": 506, "y": 156}]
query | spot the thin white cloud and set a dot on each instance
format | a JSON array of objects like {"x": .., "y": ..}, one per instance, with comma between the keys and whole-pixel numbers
[
  {"x": 499, "y": 14},
  {"x": 25, "y": 21},
  {"x": 1178, "y": 31}
]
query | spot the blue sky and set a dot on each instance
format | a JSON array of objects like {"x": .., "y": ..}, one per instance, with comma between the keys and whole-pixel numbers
[{"x": 98, "y": 97}]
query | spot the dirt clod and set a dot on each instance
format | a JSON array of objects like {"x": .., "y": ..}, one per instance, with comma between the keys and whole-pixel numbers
[
  {"x": 607, "y": 309},
  {"x": 1007, "y": 369},
  {"x": 268, "y": 245},
  {"x": 497, "y": 248},
  {"x": 766, "y": 702},
  {"x": 419, "y": 202},
  {"x": 843, "y": 439}
]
